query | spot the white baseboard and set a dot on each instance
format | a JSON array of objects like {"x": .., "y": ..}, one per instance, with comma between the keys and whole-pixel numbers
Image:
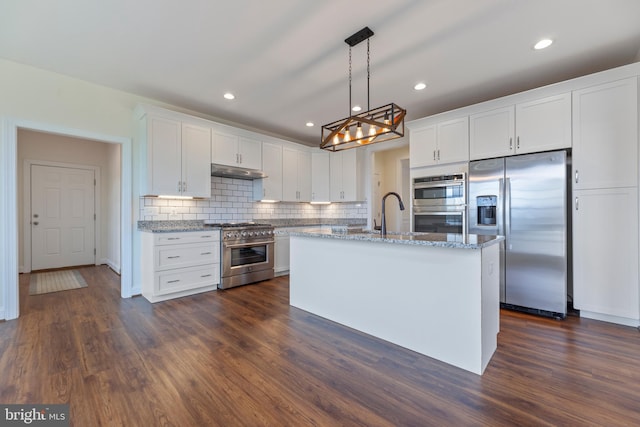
[
  {"x": 112, "y": 265},
  {"x": 611, "y": 319},
  {"x": 136, "y": 290}
]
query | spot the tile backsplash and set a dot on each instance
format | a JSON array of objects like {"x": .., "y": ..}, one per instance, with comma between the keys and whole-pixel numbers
[{"x": 232, "y": 201}]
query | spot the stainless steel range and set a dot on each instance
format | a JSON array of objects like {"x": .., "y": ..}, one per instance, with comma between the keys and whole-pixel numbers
[{"x": 247, "y": 253}]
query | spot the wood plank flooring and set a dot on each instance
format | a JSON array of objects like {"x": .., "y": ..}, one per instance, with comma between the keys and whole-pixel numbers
[{"x": 244, "y": 357}]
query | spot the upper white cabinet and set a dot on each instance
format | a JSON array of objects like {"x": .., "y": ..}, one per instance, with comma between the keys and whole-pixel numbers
[
  {"x": 270, "y": 188},
  {"x": 605, "y": 135},
  {"x": 445, "y": 142},
  {"x": 320, "y": 176},
  {"x": 296, "y": 175},
  {"x": 346, "y": 182},
  {"x": 234, "y": 150},
  {"x": 528, "y": 127},
  {"x": 177, "y": 157}
]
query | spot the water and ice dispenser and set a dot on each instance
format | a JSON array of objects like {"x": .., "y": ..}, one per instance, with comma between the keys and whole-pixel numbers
[{"x": 487, "y": 209}]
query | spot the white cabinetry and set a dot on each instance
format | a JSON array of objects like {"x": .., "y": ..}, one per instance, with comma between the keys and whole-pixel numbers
[
  {"x": 270, "y": 188},
  {"x": 179, "y": 264},
  {"x": 320, "y": 177},
  {"x": 605, "y": 196},
  {"x": 605, "y": 132},
  {"x": 233, "y": 150},
  {"x": 177, "y": 157},
  {"x": 605, "y": 252},
  {"x": 296, "y": 175},
  {"x": 282, "y": 252},
  {"x": 528, "y": 127},
  {"x": 346, "y": 170},
  {"x": 446, "y": 142}
]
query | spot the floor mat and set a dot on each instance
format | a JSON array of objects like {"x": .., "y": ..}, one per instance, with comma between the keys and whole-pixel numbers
[{"x": 55, "y": 281}]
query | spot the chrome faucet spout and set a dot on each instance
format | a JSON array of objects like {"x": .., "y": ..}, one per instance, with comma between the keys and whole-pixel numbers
[{"x": 383, "y": 227}]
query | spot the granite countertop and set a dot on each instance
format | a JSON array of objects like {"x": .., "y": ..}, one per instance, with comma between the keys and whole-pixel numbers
[
  {"x": 464, "y": 241},
  {"x": 315, "y": 222},
  {"x": 174, "y": 226}
]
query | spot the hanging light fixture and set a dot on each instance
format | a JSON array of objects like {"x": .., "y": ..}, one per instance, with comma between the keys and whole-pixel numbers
[{"x": 367, "y": 127}]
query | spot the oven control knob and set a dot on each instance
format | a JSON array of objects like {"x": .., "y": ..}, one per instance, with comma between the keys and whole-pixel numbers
[
  {"x": 250, "y": 233},
  {"x": 243, "y": 234}
]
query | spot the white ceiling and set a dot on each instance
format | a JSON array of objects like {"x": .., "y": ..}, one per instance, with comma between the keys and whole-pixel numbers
[{"x": 287, "y": 63}]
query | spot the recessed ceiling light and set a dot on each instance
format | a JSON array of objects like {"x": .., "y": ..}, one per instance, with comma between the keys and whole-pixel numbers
[
  {"x": 309, "y": 124},
  {"x": 229, "y": 95},
  {"x": 357, "y": 108},
  {"x": 543, "y": 44},
  {"x": 420, "y": 86}
]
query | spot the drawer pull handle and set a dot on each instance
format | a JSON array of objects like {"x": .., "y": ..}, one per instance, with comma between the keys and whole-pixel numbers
[
  {"x": 205, "y": 253},
  {"x": 173, "y": 281},
  {"x": 205, "y": 237},
  {"x": 173, "y": 238},
  {"x": 206, "y": 275},
  {"x": 174, "y": 257}
]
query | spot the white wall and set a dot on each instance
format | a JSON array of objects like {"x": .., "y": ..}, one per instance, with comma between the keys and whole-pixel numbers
[
  {"x": 39, "y": 146},
  {"x": 390, "y": 169}
]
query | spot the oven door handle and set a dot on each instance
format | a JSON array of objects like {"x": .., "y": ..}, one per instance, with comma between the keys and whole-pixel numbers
[
  {"x": 246, "y": 245},
  {"x": 438, "y": 185}
]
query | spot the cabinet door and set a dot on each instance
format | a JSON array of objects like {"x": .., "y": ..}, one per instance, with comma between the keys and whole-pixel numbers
[
  {"x": 423, "y": 146},
  {"x": 196, "y": 163},
  {"x": 335, "y": 180},
  {"x": 289, "y": 175},
  {"x": 225, "y": 149},
  {"x": 352, "y": 180},
  {"x": 491, "y": 133},
  {"x": 605, "y": 135},
  {"x": 304, "y": 176},
  {"x": 543, "y": 124},
  {"x": 272, "y": 167},
  {"x": 605, "y": 251},
  {"x": 164, "y": 150},
  {"x": 250, "y": 151},
  {"x": 453, "y": 141},
  {"x": 320, "y": 177}
]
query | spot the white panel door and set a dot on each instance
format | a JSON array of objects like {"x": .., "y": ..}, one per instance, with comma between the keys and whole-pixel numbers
[{"x": 62, "y": 217}]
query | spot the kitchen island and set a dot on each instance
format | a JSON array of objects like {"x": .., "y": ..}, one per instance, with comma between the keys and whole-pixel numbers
[{"x": 436, "y": 294}]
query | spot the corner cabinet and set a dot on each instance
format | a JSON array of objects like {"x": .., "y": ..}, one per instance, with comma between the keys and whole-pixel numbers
[
  {"x": 529, "y": 127},
  {"x": 441, "y": 143},
  {"x": 179, "y": 264},
  {"x": 346, "y": 181},
  {"x": 177, "y": 157},
  {"x": 235, "y": 150}
]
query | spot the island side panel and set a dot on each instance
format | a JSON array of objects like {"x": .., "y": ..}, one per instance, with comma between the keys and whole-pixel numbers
[
  {"x": 424, "y": 298},
  {"x": 490, "y": 301}
]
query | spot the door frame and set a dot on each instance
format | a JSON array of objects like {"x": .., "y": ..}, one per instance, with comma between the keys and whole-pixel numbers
[
  {"x": 26, "y": 218},
  {"x": 9, "y": 280}
]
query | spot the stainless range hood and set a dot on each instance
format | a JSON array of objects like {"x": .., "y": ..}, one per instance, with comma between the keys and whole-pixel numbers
[{"x": 236, "y": 172}]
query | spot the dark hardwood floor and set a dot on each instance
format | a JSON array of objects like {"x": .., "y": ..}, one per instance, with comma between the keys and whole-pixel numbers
[{"x": 244, "y": 357}]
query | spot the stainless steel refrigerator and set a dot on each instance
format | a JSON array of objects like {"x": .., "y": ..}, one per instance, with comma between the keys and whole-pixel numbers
[{"x": 524, "y": 198}]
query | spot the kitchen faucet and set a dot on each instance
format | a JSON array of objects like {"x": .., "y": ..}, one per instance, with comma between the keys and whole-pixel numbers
[{"x": 383, "y": 227}]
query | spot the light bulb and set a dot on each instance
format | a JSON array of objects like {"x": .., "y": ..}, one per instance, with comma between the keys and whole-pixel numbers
[
  {"x": 336, "y": 140},
  {"x": 347, "y": 135},
  {"x": 386, "y": 122},
  {"x": 359, "y": 133},
  {"x": 372, "y": 132}
]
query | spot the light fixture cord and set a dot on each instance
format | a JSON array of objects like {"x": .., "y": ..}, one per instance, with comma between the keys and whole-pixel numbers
[
  {"x": 368, "y": 75},
  {"x": 349, "y": 81}
]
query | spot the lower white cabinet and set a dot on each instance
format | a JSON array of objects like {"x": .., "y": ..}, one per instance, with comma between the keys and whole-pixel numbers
[
  {"x": 179, "y": 264},
  {"x": 605, "y": 253}
]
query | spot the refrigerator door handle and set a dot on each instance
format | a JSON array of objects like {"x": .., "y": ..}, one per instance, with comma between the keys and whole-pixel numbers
[{"x": 507, "y": 207}]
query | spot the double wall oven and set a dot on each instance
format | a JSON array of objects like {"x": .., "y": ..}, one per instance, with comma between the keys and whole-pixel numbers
[
  {"x": 247, "y": 254},
  {"x": 439, "y": 204}
]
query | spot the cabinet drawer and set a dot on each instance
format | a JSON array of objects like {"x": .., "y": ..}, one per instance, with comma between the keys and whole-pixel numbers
[
  {"x": 187, "y": 278},
  {"x": 186, "y": 237},
  {"x": 178, "y": 256}
]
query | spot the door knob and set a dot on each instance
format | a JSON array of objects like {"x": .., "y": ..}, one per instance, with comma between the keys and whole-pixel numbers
[
  {"x": 35, "y": 223},
  {"x": 35, "y": 215}
]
